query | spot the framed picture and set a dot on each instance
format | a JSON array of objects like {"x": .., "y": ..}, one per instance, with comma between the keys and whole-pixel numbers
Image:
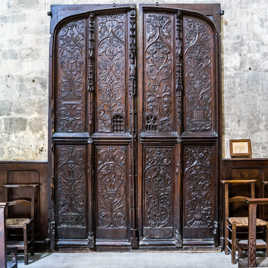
[{"x": 240, "y": 148}]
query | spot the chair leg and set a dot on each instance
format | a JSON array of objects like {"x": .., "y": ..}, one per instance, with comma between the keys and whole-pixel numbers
[
  {"x": 25, "y": 238},
  {"x": 239, "y": 253},
  {"x": 226, "y": 236},
  {"x": 266, "y": 232},
  {"x": 32, "y": 239},
  {"x": 233, "y": 244}
]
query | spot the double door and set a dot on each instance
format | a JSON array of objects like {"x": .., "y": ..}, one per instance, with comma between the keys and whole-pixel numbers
[{"x": 133, "y": 127}]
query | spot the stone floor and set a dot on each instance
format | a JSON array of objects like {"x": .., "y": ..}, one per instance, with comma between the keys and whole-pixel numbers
[{"x": 137, "y": 259}]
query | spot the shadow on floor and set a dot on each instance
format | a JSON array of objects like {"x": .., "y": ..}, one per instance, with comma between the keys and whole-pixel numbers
[
  {"x": 261, "y": 260},
  {"x": 32, "y": 259}
]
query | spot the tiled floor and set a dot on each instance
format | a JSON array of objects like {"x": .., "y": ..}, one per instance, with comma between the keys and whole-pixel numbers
[{"x": 137, "y": 259}]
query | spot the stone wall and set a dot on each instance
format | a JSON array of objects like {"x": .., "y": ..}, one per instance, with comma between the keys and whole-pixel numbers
[{"x": 24, "y": 28}]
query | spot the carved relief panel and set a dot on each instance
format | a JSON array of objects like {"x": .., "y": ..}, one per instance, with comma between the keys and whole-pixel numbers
[
  {"x": 158, "y": 193},
  {"x": 71, "y": 191},
  {"x": 111, "y": 88},
  {"x": 70, "y": 71},
  {"x": 111, "y": 191},
  {"x": 158, "y": 72},
  {"x": 199, "y": 79},
  {"x": 199, "y": 189},
  {"x": 159, "y": 113}
]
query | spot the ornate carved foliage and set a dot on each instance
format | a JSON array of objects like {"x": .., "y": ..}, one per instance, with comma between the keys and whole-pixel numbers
[
  {"x": 158, "y": 189},
  {"x": 132, "y": 78},
  {"x": 91, "y": 28},
  {"x": 70, "y": 92},
  {"x": 132, "y": 53},
  {"x": 198, "y": 186},
  {"x": 179, "y": 68},
  {"x": 111, "y": 186},
  {"x": 71, "y": 187},
  {"x": 158, "y": 67},
  {"x": 111, "y": 69},
  {"x": 198, "y": 66}
]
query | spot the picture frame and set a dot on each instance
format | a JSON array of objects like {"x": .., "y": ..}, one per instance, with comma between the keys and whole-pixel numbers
[{"x": 240, "y": 148}]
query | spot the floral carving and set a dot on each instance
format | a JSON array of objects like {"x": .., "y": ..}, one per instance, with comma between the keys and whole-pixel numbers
[
  {"x": 199, "y": 83},
  {"x": 132, "y": 71},
  {"x": 70, "y": 72},
  {"x": 199, "y": 186},
  {"x": 111, "y": 186},
  {"x": 158, "y": 189},
  {"x": 111, "y": 69},
  {"x": 70, "y": 182},
  {"x": 179, "y": 69},
  {"x": 158, "y": 66},
  {"x": 70, "y": 116}
]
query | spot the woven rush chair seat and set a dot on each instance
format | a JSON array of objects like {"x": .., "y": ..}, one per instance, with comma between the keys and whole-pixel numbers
[
  {"x": 17, "y": 222},
  {"x": 243, "y": 221},
  {"x": 260, "y": 243}
]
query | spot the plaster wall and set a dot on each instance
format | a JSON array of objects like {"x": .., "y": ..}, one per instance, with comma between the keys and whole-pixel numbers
[{"x": 24, "y": 39}]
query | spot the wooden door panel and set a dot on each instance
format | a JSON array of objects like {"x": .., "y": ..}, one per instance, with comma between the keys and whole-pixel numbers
[
  {"x": 112, "y": 191},
  {"x": 199, "y": 193},
  {"x": 70, "y": 46},
  {"x": 178, "y": 102},
  {"x": 111, "y": 69},
  {"x": 199, "y": 77},
  {"x": 159, "y": 186},
  {"x": 92, "y": 128},
  {"x": 71, "y": 191},
  {"x": 113, "y": 126},
  {"x": 159, "y": 76},
  {"x": 159, "y": 111},
  {"x": 69, "y": 176}
]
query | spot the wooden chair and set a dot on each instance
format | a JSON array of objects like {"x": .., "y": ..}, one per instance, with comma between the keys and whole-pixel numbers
[
  {"x": 251, "y": 244},
  {"x": 4, "y": 262},
  {"x": 231, "y": 224},
  {"x": 26, "y": 224}
]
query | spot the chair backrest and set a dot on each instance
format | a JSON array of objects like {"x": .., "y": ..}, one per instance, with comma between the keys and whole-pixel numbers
[
  {"x": 25, "y": 201},
  {"x": 238, "y": 198}
]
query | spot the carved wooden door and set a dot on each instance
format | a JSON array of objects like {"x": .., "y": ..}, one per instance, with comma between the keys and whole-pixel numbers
[
  {"x": 178, "y": 128},
  {"x": 93, "y": 84},
  {"x": 133, "y": 165}
]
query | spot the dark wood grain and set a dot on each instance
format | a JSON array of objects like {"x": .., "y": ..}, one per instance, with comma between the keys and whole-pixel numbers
[{"x": 130, "y": 133}]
